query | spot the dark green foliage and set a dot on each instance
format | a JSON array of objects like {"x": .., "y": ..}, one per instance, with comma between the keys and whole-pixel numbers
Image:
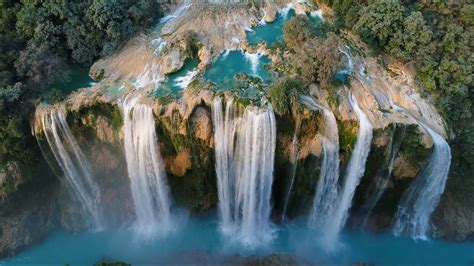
[
  {"x": 41, "y": 39},
  {"x": 388, "y": 24},
  {"x": 284, "y": 94}
]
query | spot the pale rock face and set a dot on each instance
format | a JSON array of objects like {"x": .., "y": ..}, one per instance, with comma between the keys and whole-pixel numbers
[
  {"x": 104, "y": 132},
  {"x": 270, "y": 10},
  {"x": 202, "y": 124},
  {"x": 302, "y": 8},
  {"x": 403, "y": 168}
]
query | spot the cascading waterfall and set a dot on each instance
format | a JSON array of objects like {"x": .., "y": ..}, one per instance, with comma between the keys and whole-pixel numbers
[
  {"x": 245, "y": 149},
  {"x": 146, "y": 171},
  {"x": 355, "y": 171},
  {"x": 184, "y": 81},
  {"x": 178, "y": 12},
  {"x": 254, "y": 60},
  {"x": 74, "y": 164},
  {"x": 421, "y": 198},
  {"x": 325, "y": 199},
  {"x": 350, "y": 64}
]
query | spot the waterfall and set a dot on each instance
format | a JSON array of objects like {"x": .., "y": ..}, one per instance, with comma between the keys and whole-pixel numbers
[
  {"x": 178, "y": 12},
  {"x": 350, "y": 64},
  {"x": 184, "y": 81},
  {"x": 354, "y": 172},
  {"x": 421, "y": 198},
  {"x": 245, "y": 149},
  {"x": 381, "y": 181},
  {"x": 294, "y": 164},
  {"x": 73, "y": 163},
  {"x": 254, "y": 60},
  {"x": 325, "y": 198},
  {"x": 145, "y": 168},
  {"x": 317, "y": 14}
]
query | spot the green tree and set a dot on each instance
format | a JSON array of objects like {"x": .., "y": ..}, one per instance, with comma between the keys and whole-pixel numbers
[
  {"x": 379, "y": 20},
  {"x": 412, "y": 41}
]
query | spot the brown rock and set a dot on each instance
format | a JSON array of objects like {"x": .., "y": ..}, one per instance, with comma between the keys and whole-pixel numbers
[
  {"x": 104, "y": 132},
  {"x": 402, "y": 168},
  {"x": 181, "y": 163},
  {"x": 202, "y": 124}
]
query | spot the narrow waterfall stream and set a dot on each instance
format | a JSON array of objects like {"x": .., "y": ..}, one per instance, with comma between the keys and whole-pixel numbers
[
  {"x": 325, "y": 199},
  {"x": 74, "y": 164},
  {"x": 420, "y": 200},
  {"x": 146, "y": 171},
  {"x": 245, "y": 143},
  {"x": 355, "y": 171}
]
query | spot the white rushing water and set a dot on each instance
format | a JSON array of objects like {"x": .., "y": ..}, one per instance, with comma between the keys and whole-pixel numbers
[
  {"x": 421, "y": 198},
  {"x": 350, "y": 64},
  {"x": 150, "y": 75},
  {"x": 317, "y": 14},
  {"x": 160, "y": 43},
  {"x": 354, "y": 172},
  {"x": 74, "y": 164},
  {"x": 325, "y": 199},
  {"x": 245, "y": 142},
  {"x": 184, "y": 81},
  {"x": 178, "y": 12},
  {"x": 254, "y": 60},
  {"x": 145, "y": 169}
]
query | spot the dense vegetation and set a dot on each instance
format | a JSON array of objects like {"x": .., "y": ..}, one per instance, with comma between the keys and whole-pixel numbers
[
  {"x": 436, "y": 38},
  {"x": 39, "y": 40}
]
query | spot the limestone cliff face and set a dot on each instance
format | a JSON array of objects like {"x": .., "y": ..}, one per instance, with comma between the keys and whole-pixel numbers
[{"x": 185, "y": 130}]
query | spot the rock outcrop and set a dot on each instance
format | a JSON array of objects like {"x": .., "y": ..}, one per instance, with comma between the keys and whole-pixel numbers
[{"x": 185, "y": 130}]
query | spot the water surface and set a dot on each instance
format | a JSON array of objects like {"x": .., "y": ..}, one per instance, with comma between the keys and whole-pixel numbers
[
  {"x": 202, "y": 236},
  {"x": 270, "y": 32},
  {"x": 175, "y": 83},
  {"x": 222, "y": 72}
]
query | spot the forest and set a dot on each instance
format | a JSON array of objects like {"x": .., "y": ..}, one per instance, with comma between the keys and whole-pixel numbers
[{"x": 40, "y": 41}]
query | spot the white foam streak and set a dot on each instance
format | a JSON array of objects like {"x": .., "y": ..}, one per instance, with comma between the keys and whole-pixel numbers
[
  {"x": 178, "y": 12},
  {"x": 184, "y": 81},
  {"x": 254, "y": 59}
]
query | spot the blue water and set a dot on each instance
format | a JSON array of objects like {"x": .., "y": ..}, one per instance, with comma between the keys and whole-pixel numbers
[
  {"x": 222, "y": 72},
  {"x": 270, "y": 32},
  {"x": 171, "y": 86},
  {"x": 77, "y": 78},
  {"x": 202, "y": 235}
]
